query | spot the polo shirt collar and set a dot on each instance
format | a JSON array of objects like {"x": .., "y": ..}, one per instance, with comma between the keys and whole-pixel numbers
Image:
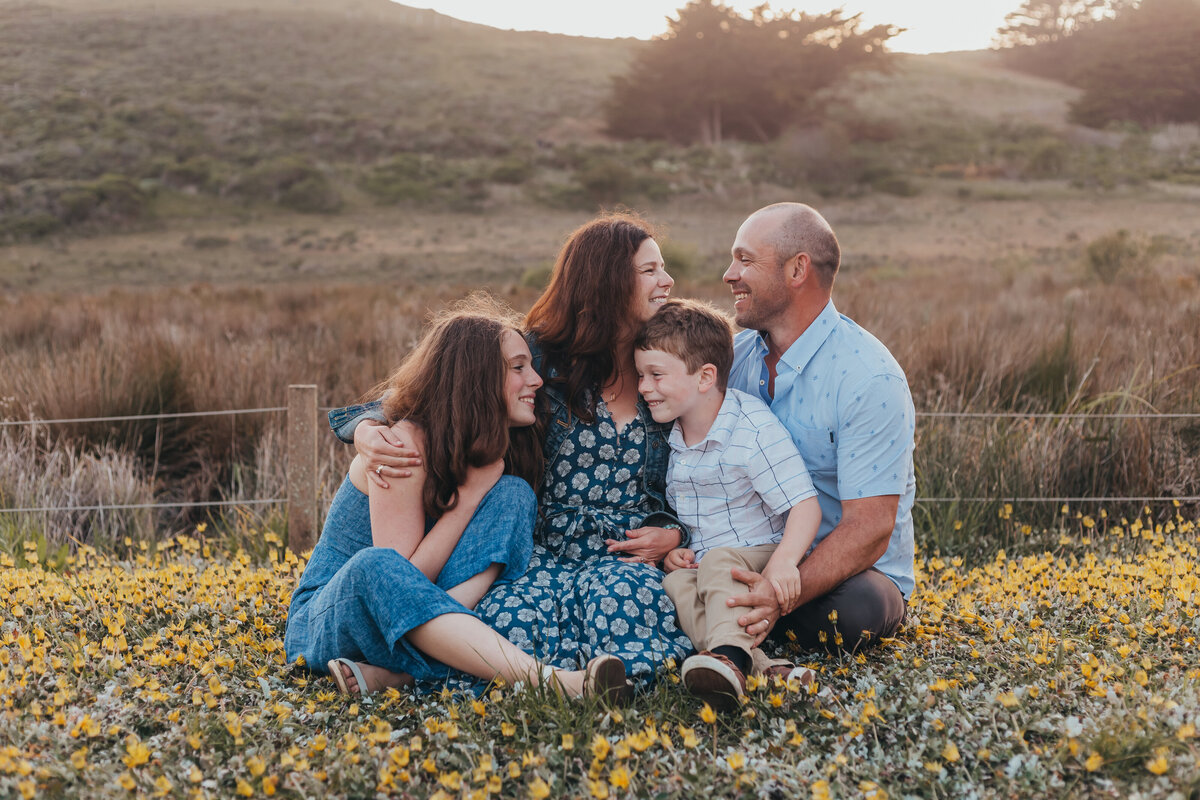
[
  {"x": 809, "y": 342},
  {"x": 718, "y": 434}
]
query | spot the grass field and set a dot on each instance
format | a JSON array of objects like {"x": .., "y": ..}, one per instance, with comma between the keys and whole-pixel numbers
[{"x": 1068, "y": 668}]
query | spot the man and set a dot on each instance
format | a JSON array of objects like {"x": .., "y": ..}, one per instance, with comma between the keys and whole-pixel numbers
[{"x": 846, "y": 403}]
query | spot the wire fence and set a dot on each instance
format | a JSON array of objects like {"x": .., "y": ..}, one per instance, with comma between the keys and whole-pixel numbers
[{"x": 280, "y": 500}]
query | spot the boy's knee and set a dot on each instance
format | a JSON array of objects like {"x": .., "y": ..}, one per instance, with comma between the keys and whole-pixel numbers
[
  {"x": 679, "y": 581},
  {"x": 717, "y": 563}
]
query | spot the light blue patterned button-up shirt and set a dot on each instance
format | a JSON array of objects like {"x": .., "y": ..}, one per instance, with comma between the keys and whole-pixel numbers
[{"x": 846, "y": 403}]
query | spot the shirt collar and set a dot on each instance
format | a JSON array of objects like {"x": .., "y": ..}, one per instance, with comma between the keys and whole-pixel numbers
[
  {"x": 718, "y": 433},
  {"x": 809, "y": 342}
]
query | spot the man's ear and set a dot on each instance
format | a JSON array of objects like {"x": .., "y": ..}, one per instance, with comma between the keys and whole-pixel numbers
[
  {"x": 798, "y": 269},
  {"x": 708, "y": 377}
]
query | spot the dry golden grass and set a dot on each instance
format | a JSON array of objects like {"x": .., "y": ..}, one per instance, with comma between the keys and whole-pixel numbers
[{"x": 988, "y": 304}]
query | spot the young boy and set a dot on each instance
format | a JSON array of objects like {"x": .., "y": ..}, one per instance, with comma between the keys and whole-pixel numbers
[{"x": 737, "y": 479}]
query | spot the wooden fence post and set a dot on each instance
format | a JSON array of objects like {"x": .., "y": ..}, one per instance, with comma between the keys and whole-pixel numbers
[{"x": 302, "y": 467}]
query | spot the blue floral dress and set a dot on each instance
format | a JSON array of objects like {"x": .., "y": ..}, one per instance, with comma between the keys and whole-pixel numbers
[{"x": 576, "y": 600}]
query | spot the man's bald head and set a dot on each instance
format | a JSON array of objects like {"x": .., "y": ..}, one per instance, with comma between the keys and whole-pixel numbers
[{"x": 798, "y": 228}]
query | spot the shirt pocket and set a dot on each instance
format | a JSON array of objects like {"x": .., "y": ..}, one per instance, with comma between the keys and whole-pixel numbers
[{"x": 817, "y": 448}]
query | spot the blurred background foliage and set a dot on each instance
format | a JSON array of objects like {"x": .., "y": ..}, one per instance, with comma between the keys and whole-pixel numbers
[{"x": 112, "y": 109}]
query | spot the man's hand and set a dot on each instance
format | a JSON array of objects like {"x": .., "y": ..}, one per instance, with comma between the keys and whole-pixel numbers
[
  {"x": 785, "y": 580},
  {"x": 387, "y": 456},
  {"x": 680, "y": 558},
  {"x": 645, "y": 545},
  {"x": 761, "y": 600}
]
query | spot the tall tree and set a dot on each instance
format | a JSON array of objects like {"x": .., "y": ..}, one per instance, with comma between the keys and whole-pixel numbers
[
  {"x": 716, "y": 74},
  {"x": 1041, "y": 35},
  {"x": 1045, "y": 21},
  {"x": 1143, "y": 66}
]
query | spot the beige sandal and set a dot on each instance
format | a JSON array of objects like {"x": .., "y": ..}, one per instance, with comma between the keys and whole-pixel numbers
[
  {"x": 334, "y": 665},
  {"x": 604, "y": 677}
]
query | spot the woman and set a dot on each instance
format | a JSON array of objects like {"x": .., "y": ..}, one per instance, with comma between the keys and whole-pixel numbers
[
  {"x": 591, "y": 587},
  {"x": 385, "y": 597}
]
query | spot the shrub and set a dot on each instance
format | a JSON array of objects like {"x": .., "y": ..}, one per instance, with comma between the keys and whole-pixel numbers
[
  {"x": 1112, "y": 253},
  {"x": 513, "y": 170},
  {"x": 292, "y": 182},
  {"x": 683, "y": 260},
  {"x": 537, "y": 277},
  {"x": 29, "y": 227},
  {"x": 425, "y": 179},
  {"x": 1048, "y": 159},
  {"x": 897, "y": 185},
  {"x": 606, "y": 181},
  {"x": 312, "y": 195},
  {"x": 197, "y": 173},
  {"x": 120, "y": 199}
]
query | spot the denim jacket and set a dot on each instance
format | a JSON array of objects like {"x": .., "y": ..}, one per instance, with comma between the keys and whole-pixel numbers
[{"x": 561, "y": 423}]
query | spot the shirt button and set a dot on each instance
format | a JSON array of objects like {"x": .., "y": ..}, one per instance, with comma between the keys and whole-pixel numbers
[{"x": 761, "y": 383}]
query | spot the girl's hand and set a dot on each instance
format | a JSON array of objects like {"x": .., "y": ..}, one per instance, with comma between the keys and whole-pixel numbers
[
  {"x": 680, "y": 558},
  {"x": 385, "y": 453}
]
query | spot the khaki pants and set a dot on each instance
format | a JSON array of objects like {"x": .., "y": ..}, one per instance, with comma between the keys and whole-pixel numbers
[{"x": 700, "y": 594}]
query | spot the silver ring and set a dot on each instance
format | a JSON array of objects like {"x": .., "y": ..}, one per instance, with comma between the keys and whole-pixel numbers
[{"x": 379, "y": 470}]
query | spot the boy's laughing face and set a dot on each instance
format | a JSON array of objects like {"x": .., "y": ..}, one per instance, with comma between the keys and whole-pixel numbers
[{"x": 666, "y": 385}]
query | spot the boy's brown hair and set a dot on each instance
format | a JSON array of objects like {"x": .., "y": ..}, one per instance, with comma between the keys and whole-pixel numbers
[{"x": 694, "y": 332}]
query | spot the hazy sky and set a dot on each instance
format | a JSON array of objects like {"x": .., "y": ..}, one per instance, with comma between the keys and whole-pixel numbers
[{"x": 933, "y": 25}]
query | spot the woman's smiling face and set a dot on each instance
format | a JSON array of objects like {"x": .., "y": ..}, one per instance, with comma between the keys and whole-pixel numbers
[{"x": 653, "y": 284}]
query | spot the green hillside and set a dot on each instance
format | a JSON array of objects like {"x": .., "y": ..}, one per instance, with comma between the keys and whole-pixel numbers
[
  {"x": 116, "y": 112},
  {"x": 90, "y": 88}
]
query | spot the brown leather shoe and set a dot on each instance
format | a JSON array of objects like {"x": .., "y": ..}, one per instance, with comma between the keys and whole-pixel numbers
[
  {"x": 715, "y": 680},
  {"x": 786, "y": 672}
]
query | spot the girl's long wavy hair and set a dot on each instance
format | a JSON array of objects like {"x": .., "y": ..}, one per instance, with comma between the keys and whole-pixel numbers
[
  {"x": 588, "y": 307},
  {"x": 452, "y": 386}
]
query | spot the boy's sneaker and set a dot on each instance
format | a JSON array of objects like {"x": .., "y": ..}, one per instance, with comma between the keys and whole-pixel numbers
[
  {"x": 715, "y": 680},
  {"x": 787, "y": 672}
]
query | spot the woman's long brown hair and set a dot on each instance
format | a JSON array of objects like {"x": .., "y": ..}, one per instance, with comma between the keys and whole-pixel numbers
[
  {"x": 588, "y": 307},
  {"x": 452, "y": 386}
]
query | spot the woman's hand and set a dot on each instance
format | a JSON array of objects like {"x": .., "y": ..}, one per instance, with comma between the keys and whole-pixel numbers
[
  {"x": 385, "y": 453},
  {"x": 645, "y": 545}
]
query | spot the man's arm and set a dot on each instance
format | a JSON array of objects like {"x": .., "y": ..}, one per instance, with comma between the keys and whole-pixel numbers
[
  {"x": 858, "y": 541},
  {"x": 874, "y": 465}
]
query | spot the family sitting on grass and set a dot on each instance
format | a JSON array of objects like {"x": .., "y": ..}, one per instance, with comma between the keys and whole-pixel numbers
[{"x": 695, "y": 490}]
